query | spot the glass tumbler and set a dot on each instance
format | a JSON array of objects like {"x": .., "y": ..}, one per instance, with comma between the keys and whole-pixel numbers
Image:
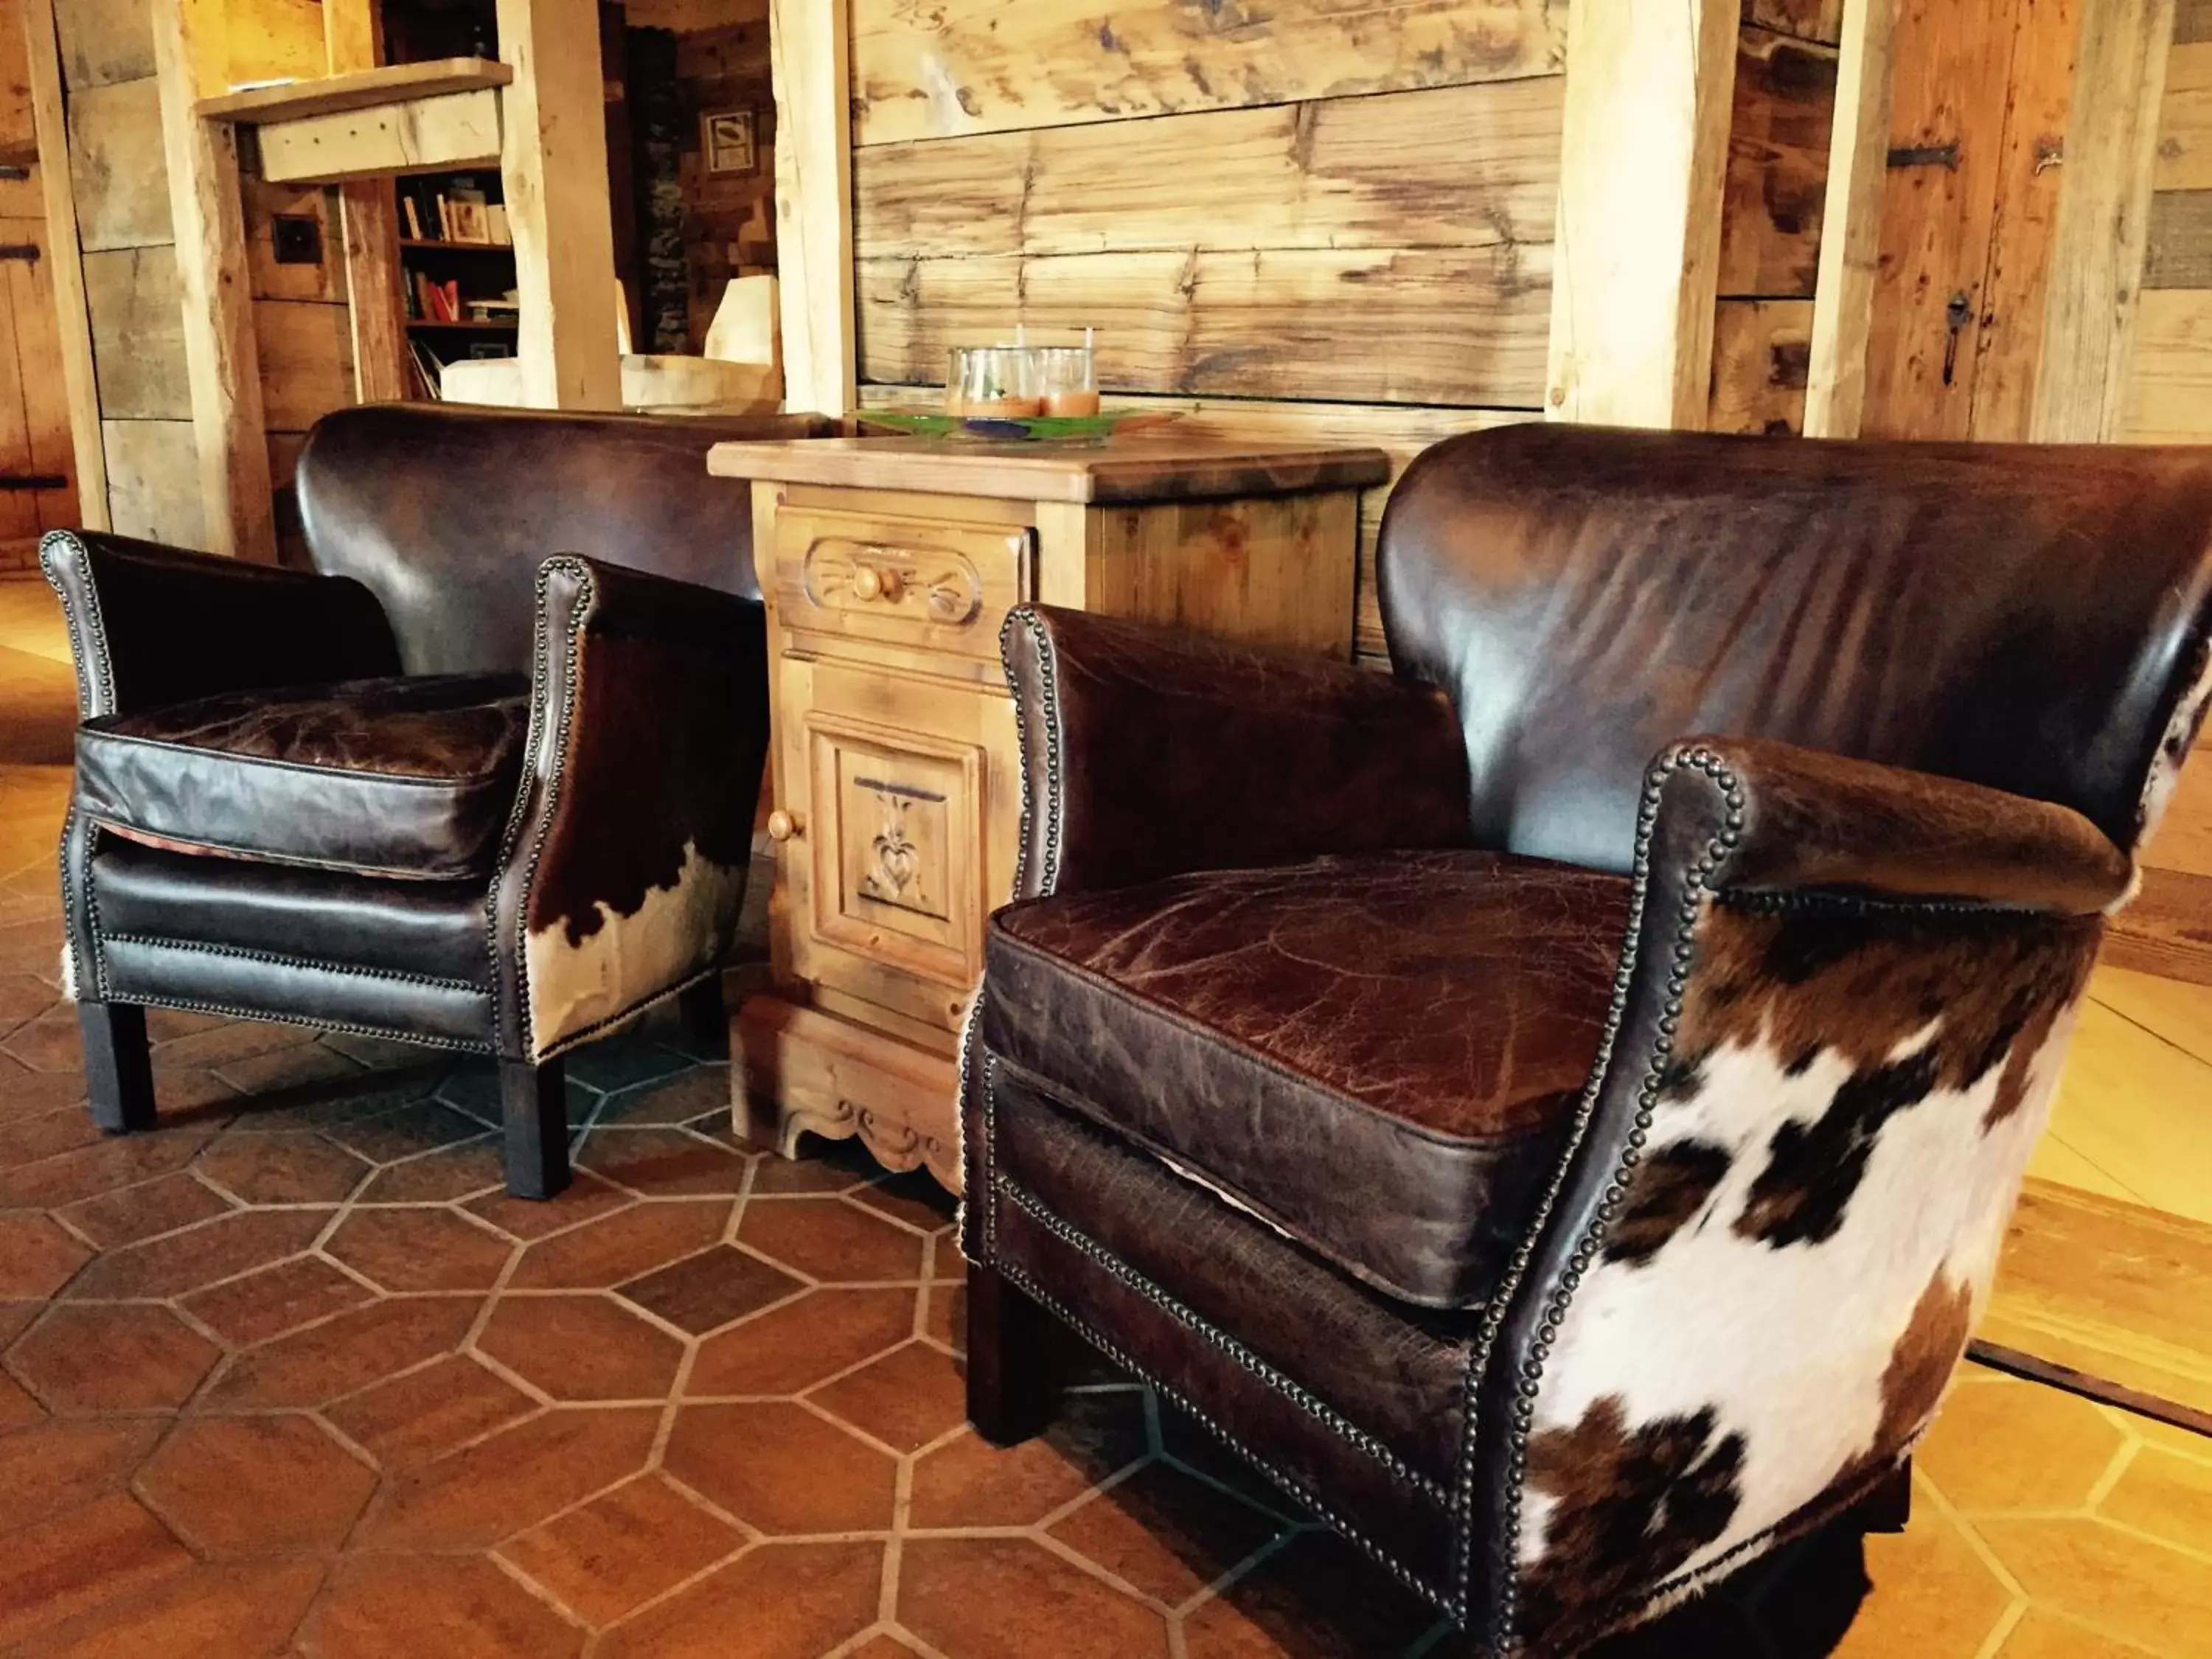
[
  {"x": 1067, "y": 380},
  {"x": 993, "y": 379}
]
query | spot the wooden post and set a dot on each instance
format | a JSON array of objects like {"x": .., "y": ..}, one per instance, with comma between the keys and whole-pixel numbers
[
  {"x": 220, "y": 349},
  {"x": 64, "y": 250},
  {"x": 369, "y": 219},
  {"x": 810, "y": 47},
  {"x": 2103, "y": 220},
  {"x": 1850, "y": 225},
  {"x": 1643, "y": 167},
  {"x": 554, "y": 162}
]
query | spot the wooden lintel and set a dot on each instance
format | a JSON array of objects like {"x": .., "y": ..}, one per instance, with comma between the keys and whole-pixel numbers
[
  {"x": 455, "y": 129},
  {"x": 334, "y": 94}
]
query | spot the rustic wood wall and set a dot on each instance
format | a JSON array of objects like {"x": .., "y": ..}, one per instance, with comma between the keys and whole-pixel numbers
[
  {"x": 2169, "y": 395},
  {"x": 2169, "y": 400},
  {"x": 1307, "y": 217},
  {"x": 34, "y": 424},
  {"x": 133, "y": 294},
  {"x": 1771, "y": 215}
]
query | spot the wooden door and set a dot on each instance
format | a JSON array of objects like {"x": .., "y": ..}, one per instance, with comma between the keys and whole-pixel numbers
[
  {"x": 1981, "y": 91},
  {"x": 37, "y": 465}
]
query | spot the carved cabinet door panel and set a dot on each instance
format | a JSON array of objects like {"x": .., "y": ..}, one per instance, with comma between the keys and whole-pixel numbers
[{"x": 911, "y": 804}]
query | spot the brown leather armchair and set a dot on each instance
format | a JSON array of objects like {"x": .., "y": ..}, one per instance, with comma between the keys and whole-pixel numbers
[
  {"x": 439, "y": 788},
  {"x": 1556, "y": 1110}
]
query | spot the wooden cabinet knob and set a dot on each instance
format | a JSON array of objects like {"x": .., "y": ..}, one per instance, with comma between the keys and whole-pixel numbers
[
  {"x": 782, "y": 825},
  {"x": 870, "y": 583}
]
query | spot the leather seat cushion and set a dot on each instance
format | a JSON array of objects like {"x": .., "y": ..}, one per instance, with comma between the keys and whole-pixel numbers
[
  {"x": 408, "y": 778},
  {"x": 1380, "y": 1054}
]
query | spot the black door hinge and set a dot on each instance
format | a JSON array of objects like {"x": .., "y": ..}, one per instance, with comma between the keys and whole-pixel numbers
[{"x": 1926, "y": 155}]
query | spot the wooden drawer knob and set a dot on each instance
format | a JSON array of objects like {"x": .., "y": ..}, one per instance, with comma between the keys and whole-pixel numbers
[
  {"x": 870, "y": 583},
  {"x": 782, "y": 825}
]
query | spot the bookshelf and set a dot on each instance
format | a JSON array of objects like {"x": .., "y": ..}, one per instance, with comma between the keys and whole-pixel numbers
[{"x": 456, "y": 271}]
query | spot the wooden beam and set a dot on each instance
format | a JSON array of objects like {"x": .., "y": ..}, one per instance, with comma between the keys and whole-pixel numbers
[
  {"x": 2103, "y": 220},
  {"x": 368, "y": 220},
  {"x": 220, "y": 349},
  {"x": 1850, "y": 240},
  {"x": 1644, "y": 161},
  {"x": 65, "y": 253},
  {"x": 455, "y": 130},
  {"x": 810, "y": 47},
  {"x": 554, "y": 165},
  {"x": 363, "y": 88}
]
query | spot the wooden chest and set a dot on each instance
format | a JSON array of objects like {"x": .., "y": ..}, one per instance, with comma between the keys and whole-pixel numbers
[{"x": 889, "y": 565}]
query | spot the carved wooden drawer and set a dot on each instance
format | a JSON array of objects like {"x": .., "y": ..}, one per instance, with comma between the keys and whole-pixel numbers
[{"x": 934, "y": 585}]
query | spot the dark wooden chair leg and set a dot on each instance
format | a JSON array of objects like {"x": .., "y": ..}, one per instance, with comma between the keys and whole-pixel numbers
[
  {"x": 1888, "y": 1507},
  {"x": 1013, "y": 1353},
  {"x": 703, "y": 1015},
  {"x": 534, "y": 1101},
  {"x": 118, "y": 1072}
]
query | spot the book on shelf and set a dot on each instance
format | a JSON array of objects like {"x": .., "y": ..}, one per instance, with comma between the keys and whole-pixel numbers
[
  {"x": 496, "y": 225},
  {"x": 464, "y": 222},
  {"x": 429, "y": 370},
  {"x": 413, "y": 217}
]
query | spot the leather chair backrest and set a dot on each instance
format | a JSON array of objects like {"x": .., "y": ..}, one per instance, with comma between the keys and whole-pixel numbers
[
  {"x": 445, "y": 513},
  {"x": 2024, "y": 617}
]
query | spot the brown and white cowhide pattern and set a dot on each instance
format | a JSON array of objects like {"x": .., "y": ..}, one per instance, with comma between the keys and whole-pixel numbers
[
  {"x": 1804, "y": 1244},
  {"x": 584, "y": 971},
  {"x": 2174, "y": 744}
]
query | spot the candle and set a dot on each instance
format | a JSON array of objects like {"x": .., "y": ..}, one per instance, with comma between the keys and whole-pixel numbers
[{"x": 1071, "y": 402}]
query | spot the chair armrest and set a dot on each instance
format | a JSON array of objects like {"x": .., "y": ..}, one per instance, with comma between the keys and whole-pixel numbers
[
  {"x": 151, "y": 625},
  {"x": 1841, "y": 1013},
  {"x": 625, "y": 861},
  {"x": 1807, "y": 819},
  {"x": 1148, "y": 752}
]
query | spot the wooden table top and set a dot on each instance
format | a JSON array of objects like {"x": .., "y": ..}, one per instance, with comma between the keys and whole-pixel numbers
[{"x": 1152, "y": 466}]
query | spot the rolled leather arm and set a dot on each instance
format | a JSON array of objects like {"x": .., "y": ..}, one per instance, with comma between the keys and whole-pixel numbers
[
  {"x": 151, "y": 625},
  {"x": 1785, "y": 818},
  {"x": 1148, "y": 752},
  {"x": 625, "y": 862}
]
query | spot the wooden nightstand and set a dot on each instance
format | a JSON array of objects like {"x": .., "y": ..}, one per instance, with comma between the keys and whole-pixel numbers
[{"x": 889, "y": 565}]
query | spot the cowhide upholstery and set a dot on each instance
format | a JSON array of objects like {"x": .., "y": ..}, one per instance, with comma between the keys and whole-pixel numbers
[
  {"x": 1866, "y": 736},
  {"x": 483, "y": 777}
]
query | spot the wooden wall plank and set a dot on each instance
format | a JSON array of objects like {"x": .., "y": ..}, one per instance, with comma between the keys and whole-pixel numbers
[
  {"x": 1762, "y": 349},
  {"x": 2169, "y": 391},
  {"x": 2184, "y": 122},
  {"x": 2192, "y": 22},
  {"x": 104, "y": 41},
  {"x": 271, "y": 40},
  {"x": 1851, "y": 242},
  {"x": 1777, "y": 167},
  {"x": 368, "y": 225},
  {"x": 19, "y": 127},
  {"x": 809, "y": 48},
  {"x": 306, "y": 352},
  {"x": 2096, "y": 270},
  {"x": 47, "y": 410},
  {"x": 1808, "y": 19},
  {"x": 154, "y": 477},
  {"x": 207, "y": 209},
  {"x": 2179, "y": 241},
  {"x": 115, "y": 134},
  {"x": 2008, "y": 340},
  {"x": 80, "y": 381},
  {"x": 1644, "y": 158},
  {"x": 430, "y": 135},
  {"x": 1949, "y": 60},
  {"x": 1450, "y": 325},
  {"x": 136, "y": 307},
  {"x": 554, "y": 165},
  {"x": 968, "y": 66},
  {"x": 1464, "y": 166}
]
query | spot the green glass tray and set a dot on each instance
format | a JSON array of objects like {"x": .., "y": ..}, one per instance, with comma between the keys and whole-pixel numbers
[{"x": 1050, "y": 429}]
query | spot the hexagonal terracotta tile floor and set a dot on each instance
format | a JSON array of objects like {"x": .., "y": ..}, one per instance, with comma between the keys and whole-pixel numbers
[{"x": 290, "y": 1375}]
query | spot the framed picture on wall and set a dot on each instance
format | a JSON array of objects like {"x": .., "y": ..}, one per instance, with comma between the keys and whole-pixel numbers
[{"x": 725, "y": 137}]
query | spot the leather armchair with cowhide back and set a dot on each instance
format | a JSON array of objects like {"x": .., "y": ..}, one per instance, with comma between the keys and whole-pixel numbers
[
  {"x": 1556, "y": 1109},
  {"x": 443, "y": 786}
]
